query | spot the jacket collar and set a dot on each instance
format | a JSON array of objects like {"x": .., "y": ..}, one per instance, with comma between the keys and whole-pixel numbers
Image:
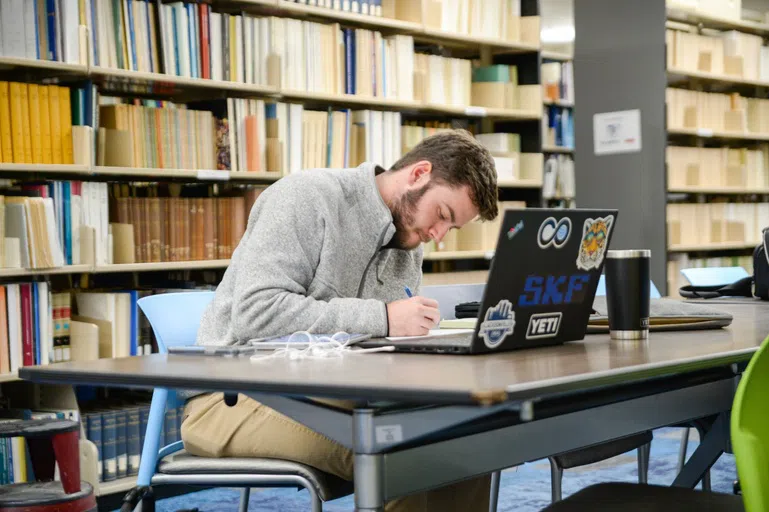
[{"x": 375, "y": 214}]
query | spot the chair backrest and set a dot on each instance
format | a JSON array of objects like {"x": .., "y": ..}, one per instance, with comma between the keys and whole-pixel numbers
[
  {"x": 449, "y": 295},
  {"x": 175, "y": 317},
  {"x": 750, "y": 431},
  {"x": 600, "y": 291},
  {"x": 713, "y": 276}
]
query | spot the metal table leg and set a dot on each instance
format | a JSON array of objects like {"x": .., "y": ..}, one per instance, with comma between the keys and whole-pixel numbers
[
  {"x": 368, "y": 471},
  {"x": 711, "y": 447}
]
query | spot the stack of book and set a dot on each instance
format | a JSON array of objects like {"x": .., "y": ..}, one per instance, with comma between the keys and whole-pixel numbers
[
  {"x": 491, "y": 19},
  {"x": 495, "y": 86},
  {"x": 558, "y": 81},
  {"x": 718, "y": 168},
  {"x": 442, "y": 80},
  {"x": 37, "y": 29},
  {"x": 692, "y": 225}
]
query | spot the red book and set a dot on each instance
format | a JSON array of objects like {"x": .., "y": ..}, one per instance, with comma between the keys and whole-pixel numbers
[
  {"x": 252, "y": 144},
  {"x": 27, "y": 337},
  {"x": 205, "y": 52}
]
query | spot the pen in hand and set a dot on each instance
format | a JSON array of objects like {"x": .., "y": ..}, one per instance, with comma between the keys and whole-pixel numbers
[{"x": 408, "y": 291}]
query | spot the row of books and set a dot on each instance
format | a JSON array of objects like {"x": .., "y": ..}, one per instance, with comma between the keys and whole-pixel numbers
[
  {"x": 179, "y": 228},
  {"x": 559, "y": 179},
  {"x": 369, "y": 7},
  {"x": 723, "y": 53},
  {"x": 15, "y": 460},
  {"x": 412, "y": 132},
  {"x": 558, "y": 81},
  {"x": 40, "y": 224},
  {"x": 495, "y": 86},
  {"x": 739, "y": 168},
  {"x": 678, "y": 262},
  {"x": 492, "y": 19},
  {"x": 731, "y": 10},
  {"x": 40, "y": 29},
  {"x": 715, "y": 111},
  {"x": 442, "y": 80},
  {"x": 716, "y": 223},
  {"x": 474, "y": 236},
  {"x": 118, "y": 430},
  {"x": 36, "y": 123},
  {"x": 557, "y": 127}
]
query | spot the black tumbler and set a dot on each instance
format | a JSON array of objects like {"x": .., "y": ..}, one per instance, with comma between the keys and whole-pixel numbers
[{"x": 627, "y": 293}]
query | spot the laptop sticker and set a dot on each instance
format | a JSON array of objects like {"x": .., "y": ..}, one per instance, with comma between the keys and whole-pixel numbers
[
  {"x": 515, "y": 230},
  {"x": 554, "y": 232},
  {"x": 544, "y": 325},
  {"x": 498, "y": 324},
  {"x": 595, "y": 233}
]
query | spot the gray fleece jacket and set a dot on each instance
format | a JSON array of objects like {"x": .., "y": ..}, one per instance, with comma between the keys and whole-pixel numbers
[{"x": 312, "y": 259}]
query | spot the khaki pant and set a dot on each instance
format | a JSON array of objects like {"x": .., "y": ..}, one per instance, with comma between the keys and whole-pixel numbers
[{"x": 250, "y": 429}]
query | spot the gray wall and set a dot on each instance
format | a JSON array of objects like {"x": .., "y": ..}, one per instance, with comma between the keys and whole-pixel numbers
[{"x": 619, "y": 64}]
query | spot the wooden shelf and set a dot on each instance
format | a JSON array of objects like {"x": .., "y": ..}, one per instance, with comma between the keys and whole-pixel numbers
[
  {"x": 556, "y": 149},
  {"x": 161, "y": 266},
  {"x": 430, "y": 34},
  {"x": 679, "y": 75},
  {"x": 29, "y": 272},
  {"x": 9, "y": 377},
  {"x": 39, "y": 64},
  {"x": 717, "y": 22},
  {"x": 141, "y": 172},
  {"x": 442, "y": 278},
  {"x": 716, "y": 190},
  {"x": 458, "y": 255},
  {"x": 168, "y": 84},
  {"x": 559, "y": 103},
  {"x": 712, "y": 247},
  {"x": 350, "y": 99},
  {"x": 546, "y": 54},
  {"x": 46, "y": 168},
  {"x": 710, "y": 134},
  {"x": 505, "y": 183},
  {"x": 473, "y": 111}
]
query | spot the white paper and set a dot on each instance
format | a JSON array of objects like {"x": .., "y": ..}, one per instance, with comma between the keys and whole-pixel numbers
[
  {"x": 434, "y": 333},
  {"x": 617, "y": 132}
]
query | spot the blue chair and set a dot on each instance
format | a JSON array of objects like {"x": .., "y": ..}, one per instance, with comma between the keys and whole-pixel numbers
[{"x": 157, "y": 467}]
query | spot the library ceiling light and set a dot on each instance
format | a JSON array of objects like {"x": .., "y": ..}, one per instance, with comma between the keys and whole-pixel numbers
[{"x": 560, "y": 34}]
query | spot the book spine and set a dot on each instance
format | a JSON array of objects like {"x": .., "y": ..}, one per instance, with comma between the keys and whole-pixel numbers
[
  {"x": 109, "y": 443},
  {"x": 94, "y": 434},
  {"x": 133, "y": 441},
  {"x": 121, "y": 443}
]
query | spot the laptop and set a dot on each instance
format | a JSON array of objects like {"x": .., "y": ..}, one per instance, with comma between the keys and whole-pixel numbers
[{"x": 540, "y": 288}]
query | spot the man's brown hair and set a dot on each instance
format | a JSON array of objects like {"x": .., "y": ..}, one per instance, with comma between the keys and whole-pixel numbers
[{"x": 458, "y": 159}]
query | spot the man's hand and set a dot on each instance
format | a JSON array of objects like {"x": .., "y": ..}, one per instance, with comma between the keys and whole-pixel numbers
[{"x": 412, "y": 317}]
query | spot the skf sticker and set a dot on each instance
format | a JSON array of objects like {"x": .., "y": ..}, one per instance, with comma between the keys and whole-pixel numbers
[
  {"x": 498, "y": 324},
  {"x": 592, "y": 248},
  {"x": 544, "y": 325},
  {"x": 515, "y": 230},
  {"x": 554, "y": 232}
]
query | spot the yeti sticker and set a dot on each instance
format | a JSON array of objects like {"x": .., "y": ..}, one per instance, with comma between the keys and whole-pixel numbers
[{"x": 498, "y": 324}]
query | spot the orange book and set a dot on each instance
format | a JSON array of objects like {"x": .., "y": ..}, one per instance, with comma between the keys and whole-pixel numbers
[
  {"x": 17, "y": 127},
  {"x": 27, "y": 136},
  {"x": 165, "y": 248},
  {"x": 155, "y": 229},
  {"x": 46, "y": 142},
  {"x": 54, "y": 106},
  {"x": 209, "y": 229},
  {"x": 5, "y": 359},
  {"x": 65, "y": 114},
  {"x": 6, "y": 140},
  {"x": 36, "y": 137},
  {"x": 187, "y": 226},
  {"x": 252, "y": 144}
]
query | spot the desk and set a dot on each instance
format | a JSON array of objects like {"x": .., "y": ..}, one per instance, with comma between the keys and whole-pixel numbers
[{"x": 427, "y": 420}]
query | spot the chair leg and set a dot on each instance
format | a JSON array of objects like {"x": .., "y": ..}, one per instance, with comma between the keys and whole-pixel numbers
[
  {"x": 643, "y": 463},
  {"x": 683, "y": 449},
  {"x": 706, "y": 481},
  {"x": 245, "y": 495},
  {"x": 496, "y": 476},
  {"x": 556, "y": 477},
  {"x": 316, "y": 504}
]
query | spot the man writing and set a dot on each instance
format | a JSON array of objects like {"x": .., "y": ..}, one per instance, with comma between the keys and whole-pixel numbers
[{"x": 331, "y": 250}]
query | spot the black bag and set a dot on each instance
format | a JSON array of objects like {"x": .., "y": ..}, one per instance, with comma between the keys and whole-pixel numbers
[{"x": 756, "y": 285}]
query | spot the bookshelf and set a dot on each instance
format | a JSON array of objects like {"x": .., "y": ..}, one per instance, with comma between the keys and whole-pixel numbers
[
  {"x": 100, "y": 86},
  {"x": 696, "y": 193}
]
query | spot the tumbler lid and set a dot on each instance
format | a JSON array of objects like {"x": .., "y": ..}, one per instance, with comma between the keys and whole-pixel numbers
[{"x": 629, "y": 254}]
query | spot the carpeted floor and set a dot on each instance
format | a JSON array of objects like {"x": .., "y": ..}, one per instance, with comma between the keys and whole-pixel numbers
[{"x": 523, "y": 489}]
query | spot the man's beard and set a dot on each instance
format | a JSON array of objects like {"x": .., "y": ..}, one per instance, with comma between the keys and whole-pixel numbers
[{"x": 403, "y": 211}]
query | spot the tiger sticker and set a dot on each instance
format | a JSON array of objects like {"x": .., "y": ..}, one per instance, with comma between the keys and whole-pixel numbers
[{"x": 595, "y": 236}]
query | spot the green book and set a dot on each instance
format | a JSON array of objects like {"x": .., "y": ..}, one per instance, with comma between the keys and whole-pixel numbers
[{"x": 496, "y": 73}]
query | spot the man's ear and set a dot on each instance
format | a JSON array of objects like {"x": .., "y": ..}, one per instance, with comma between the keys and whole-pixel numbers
[{"x": 420, "y": 172}]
